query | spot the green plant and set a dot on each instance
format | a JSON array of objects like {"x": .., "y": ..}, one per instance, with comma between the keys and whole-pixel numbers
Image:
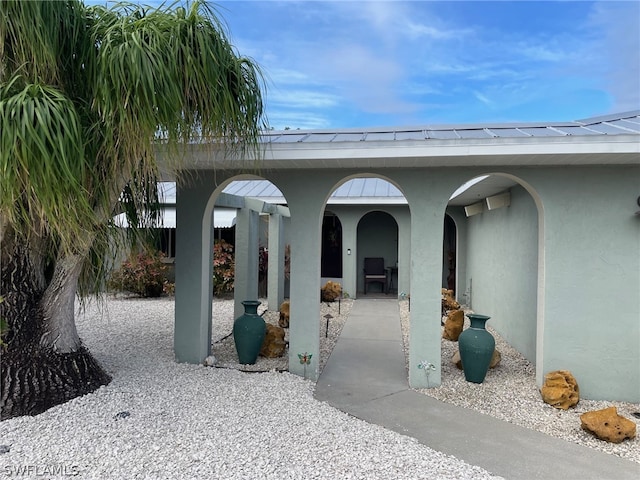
[
  {"x": 142, "y": 273},
  {"x": 224, "y": 266},
  {"x": 169, "y": 288}
]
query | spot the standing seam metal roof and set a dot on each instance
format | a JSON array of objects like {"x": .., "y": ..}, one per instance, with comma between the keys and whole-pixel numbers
[{"x": 618, "y": 124}]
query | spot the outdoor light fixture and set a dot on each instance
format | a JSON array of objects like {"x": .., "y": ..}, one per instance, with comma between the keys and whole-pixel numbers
[
  {"x": 497, "y": 201},
  {"x": 348, "y": 251},
  {"x": 474, "y": 209}
]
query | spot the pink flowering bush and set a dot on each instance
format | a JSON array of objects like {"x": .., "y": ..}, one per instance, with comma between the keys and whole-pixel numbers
[
  {"x": 224, "y": 266},
  {"x": 143, "y": 273}
]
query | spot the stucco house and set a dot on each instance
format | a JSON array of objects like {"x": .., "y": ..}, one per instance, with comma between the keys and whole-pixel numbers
[{"x": 536, "y": 225}]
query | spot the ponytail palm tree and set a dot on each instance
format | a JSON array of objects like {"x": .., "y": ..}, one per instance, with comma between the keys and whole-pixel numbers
[{"x": 86, "y": 95}]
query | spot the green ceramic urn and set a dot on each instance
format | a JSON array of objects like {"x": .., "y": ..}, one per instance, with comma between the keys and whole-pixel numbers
[
  {"x": 248, "y": 333},
  {"x": 476, "y": 348}
]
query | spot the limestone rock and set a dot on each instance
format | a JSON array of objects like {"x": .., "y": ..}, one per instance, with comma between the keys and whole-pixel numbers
[
  {"x": 210, "y": 361},
  {"x": 284, "y": 314},
  {"x": 273, "y": 344},
  {"x": 607, "y": 424},
  {"x": 331, "y": 291},
  {"x": 448, "y": 302},
  {"x": 495, "y": 359},
  {"x": 456, "y": 360},
  {"x": 560, "y": 389},
  {"x": 453, "y": 325}
]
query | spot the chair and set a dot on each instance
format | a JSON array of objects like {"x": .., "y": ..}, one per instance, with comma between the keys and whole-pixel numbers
[{"x": 374, "y": 271}]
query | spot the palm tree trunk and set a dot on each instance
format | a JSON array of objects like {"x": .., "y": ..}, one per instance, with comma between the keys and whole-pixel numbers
[
  {"x": 43, "y": 363},
  {"x": 58, "y": 304}
]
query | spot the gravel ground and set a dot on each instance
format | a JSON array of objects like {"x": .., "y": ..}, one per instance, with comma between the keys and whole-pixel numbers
[
  {"x": 158, "y": 419},
  {"x": 224, "y": 349},
  {"x": 509, "y": 392}
]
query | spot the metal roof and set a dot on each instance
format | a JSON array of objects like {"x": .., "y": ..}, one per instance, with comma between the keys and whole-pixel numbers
[
  {"x": 604, "y": 140},
  {"x": 260, "y": 189},
  {"x": 355, "y": 191},
  {"x": 222, "y": 217},
  {"x": 617, "y": 124}
]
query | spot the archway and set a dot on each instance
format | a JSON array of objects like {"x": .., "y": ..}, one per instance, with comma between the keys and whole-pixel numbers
[
  {"x": 197, "y": 197},
  {"x": 499, "y": 262},
  {"x": 371, "y": 211},
  {"x": 378, "y": 238},
  {"x": 261, "y": 238}
]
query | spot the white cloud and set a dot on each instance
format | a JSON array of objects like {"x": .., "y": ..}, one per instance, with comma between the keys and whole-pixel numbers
[
  {"x": 284, "y": 76},
  {"x": 303, "y": 120},
  {"x": 302, "y": 99},
  {"x": 617, "y": 26},
  {"x": 421, "y": 30},
  {"x": 406, "y": 60},
  {"x": 542, "y": 52},
  {"x": 370, "y": 80},
  {"x": 483, "y": 98}
]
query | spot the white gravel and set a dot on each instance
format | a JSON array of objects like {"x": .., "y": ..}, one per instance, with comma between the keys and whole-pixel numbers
[
  {"x": 509, "y": 393},
  {"x": 159, "y": 419}
]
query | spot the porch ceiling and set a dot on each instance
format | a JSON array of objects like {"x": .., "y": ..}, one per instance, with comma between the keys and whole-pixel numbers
[{"x": 487, "y": 187}]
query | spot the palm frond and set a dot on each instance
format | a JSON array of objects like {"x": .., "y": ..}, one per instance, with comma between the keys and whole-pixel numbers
[
  {"x": 41, "y": 160},
  {"x": 86, "y": 93}
]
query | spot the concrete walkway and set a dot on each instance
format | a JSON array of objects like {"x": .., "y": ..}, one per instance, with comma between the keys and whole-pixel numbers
[{"x": 366, "y": 377}]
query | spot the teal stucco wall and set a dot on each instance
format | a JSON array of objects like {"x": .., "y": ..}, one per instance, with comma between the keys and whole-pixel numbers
[
  {"x": 502, "y": 269},
  {"x": 558, "y": 270},
  {"x": 592, "y": 277}
]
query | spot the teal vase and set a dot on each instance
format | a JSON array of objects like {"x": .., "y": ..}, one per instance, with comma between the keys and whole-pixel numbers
[
  {"x": 476, "y": 349},
  {"x": 248, "y": 333}
]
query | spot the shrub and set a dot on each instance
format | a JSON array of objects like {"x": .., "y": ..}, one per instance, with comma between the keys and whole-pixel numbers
[
  {"x": 142, "y": 273},
  {"x": 223, "y": 267}
]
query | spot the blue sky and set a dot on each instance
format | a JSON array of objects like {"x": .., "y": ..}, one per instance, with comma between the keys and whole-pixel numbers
[
  {"x": 387, "y": 63},
  {"x": 393, "y": 63}
]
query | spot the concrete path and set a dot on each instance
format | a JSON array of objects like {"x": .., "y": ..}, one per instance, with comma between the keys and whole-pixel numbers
[{"x": 366, "y": 377}]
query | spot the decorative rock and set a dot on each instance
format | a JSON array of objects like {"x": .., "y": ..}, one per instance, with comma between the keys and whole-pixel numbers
[
  {"x": 210, "y": 361},
  {"x": 495, "y": 359},
  {"x": 273, "y": 345},
  {"x": 453, "y": 325},
  {"x": 331, "y": 291},
  {"x": 560, "y": 389},
  {"x": 5, "y": 449},
  {"x": 284, "y": 314},
  {"x": 448, "y": 302},
  {"x": 456, "y": 360},
  {"x": 607, "y": 424}
]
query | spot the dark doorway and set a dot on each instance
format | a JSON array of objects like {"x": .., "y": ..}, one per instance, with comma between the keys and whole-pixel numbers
[
  {"x": 378, "y": 237},
  {"x": 331, "y": 263},
  {"x": 449, "y": 254}
]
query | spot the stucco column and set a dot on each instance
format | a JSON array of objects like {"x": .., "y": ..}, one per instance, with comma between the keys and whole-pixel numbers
[
  {"x": 194, "y": 271},
  {"x": 349, "y": 253},
  {"x": 304, "y": 333},
  {"x": 305, "y": 200},
  {"x": 246, "y": 256},
  {"x": 426, "y": 278},
  {"x": 403, "y": 219},
  {"x": 275, "y": 280}
]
